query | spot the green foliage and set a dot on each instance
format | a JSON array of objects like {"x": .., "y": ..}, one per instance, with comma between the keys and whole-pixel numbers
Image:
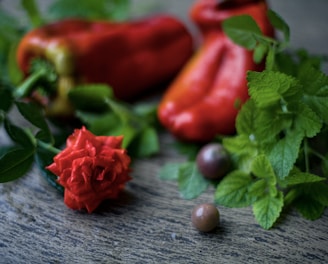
[
  {"x": 275, "y": 163},
  {"x": 100, "y": 9},
  {"x": 104, "y": 115},
  {"x": 191, "y": 183},
  {"x": 286, "y": 108}
]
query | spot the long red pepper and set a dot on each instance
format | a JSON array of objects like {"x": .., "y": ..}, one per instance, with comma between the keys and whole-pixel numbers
[
  {"x": 204, "y": 99},
  {"x": 129, "y": 56}
]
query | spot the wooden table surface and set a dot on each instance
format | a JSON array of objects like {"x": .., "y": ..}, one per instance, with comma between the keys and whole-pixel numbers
[{"x": 150, "y": 223}]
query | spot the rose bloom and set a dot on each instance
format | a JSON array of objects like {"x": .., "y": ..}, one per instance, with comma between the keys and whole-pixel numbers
[{"x": 91, "y": 169}]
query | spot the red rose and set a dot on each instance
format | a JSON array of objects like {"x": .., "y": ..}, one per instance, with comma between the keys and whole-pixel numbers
[{"x": 91, "y": 169}]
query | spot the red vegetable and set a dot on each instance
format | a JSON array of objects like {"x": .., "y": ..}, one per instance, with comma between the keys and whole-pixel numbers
[
  {"x": 91, "y": 169},
  {"x": 204, "y": 99},
  {"x": 130, "y": 56}
]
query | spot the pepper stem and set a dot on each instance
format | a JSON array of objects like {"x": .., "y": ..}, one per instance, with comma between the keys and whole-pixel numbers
[
  {"x": 42, "y": 75},
  {"x": 30, "y": 84}
]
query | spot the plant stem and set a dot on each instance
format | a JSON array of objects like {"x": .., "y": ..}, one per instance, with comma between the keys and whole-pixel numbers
[
  {"x": 48, "y": 147},
  {"x": 306, "y": 155},
  {"x": 30, "y": 84}
]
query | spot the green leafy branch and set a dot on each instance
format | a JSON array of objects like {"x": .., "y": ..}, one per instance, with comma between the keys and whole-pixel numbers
[
  {"x": 272, "y": 150},
  {"x": 28, "y": 144},
  {"x": 275, "y": 151},
  {"x": 104, "y": 115}
]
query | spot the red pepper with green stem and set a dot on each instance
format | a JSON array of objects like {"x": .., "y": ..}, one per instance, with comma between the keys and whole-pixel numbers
[
  {"x": 131, "y": 56},
  {"x": 204, "y": 99}
]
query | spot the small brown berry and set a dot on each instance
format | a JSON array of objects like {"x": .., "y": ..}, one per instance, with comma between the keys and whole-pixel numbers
[{"x": 205, "y": 217}]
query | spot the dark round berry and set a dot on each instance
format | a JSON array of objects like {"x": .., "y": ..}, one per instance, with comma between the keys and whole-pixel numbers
[
  {"x": 213, "y": 161},
  {"x": 205, "y": 217}
]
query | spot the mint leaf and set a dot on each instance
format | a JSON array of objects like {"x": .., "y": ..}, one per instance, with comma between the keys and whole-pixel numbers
[
  {"x": 259, "y": 52},
  {"x": 267, "y": 210},
  {"x": 242, "y": 149},
  {"x": 298, "y": 177},
  {"x": 315, "y": 85},
  {"x": 284, "y": 153},
  {"x": 242, "y": 30},
  {"x": 170, "y": 171},
  {"x": 268, "y": 88},
  {"x": 277, "y": 21},
  {"x": 190, "y": 181},
  {"x": 262, "y": 168},
  {"x": 309, "y": 208},
  {"x": 15, "y": 164},
  {"x": 232, "y": 191},
  {"x": 246, "y": 118},
  {"x": 307, "y": 121},
  {"x": 316, "y": 190}
]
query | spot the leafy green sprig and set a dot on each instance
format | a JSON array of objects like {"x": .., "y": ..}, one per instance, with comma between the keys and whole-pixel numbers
[
  {"x": 272, "y": 149},
  {"x": 277, "y": 162}
]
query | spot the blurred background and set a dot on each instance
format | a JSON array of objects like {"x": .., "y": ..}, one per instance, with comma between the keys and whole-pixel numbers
[{"x": 307, "y": 19}]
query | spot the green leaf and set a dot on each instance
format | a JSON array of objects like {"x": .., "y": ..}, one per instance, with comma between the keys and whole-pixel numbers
[
  {"x": 233, "y": 190},
  {"x": 315, "y": 85},
  {"x": 6, "y": 97},
  {"x": 44, "y": 157},
  {"x": 20, "y": 135},
  {"x": 318, "y": 191},
  {"x": 262, "y": 168},
  {"x": 277, "y": 21},
  {"x": 107, "y": 123},
  {"x": 259, "y": 52},
  {"x": 267, "y": 210},
  {"x": 242, "y": 30},
  {"x": 246, "y": 118},
  {"x": 145, "y": 144},
  {"x": 284, "y": 153},
  {"x": 243, "y": 149},
  {"x": 170, "y": 171},
  {"x": 35, "y": 116},
  {"x": 190, "y": 181},
  {"x": 270, "y": 60},
  {"x": 307, "y": 121},
  {"x": 268, "y": 88},
  {"x": 15, "y": 164},
  {"x": 258, "y": 188},
  {"x": 94, "y": 10},
  {"x": 15, "y": 75},
  {"x": 90, "y": 97},
  {"x": 33, "y": 12},
  {"x": 298, "y": 177},
  {"x": 309, "y": 208},
  {"x": 187, "y": 149},
  {"x": 269, "y": 124}
]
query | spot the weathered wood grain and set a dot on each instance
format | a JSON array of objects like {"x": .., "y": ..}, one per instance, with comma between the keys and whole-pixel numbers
[{"x": 150, "y": 223}]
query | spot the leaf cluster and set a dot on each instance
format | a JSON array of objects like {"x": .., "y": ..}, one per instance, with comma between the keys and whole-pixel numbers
[
  {"x": 279, "y": 151},
  {"x": 104, "y": 115},
  {"x": 34, "y": 142},
  {"x": 276, "y": 165}
]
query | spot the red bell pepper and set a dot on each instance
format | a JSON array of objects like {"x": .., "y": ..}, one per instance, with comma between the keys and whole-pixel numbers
[
  {"x": 129, "y": 56},
  {"x": 204, "y": 99}
]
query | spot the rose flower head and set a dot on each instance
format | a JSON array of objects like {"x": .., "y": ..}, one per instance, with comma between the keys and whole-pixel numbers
[{"x": 91, "y": 169}]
